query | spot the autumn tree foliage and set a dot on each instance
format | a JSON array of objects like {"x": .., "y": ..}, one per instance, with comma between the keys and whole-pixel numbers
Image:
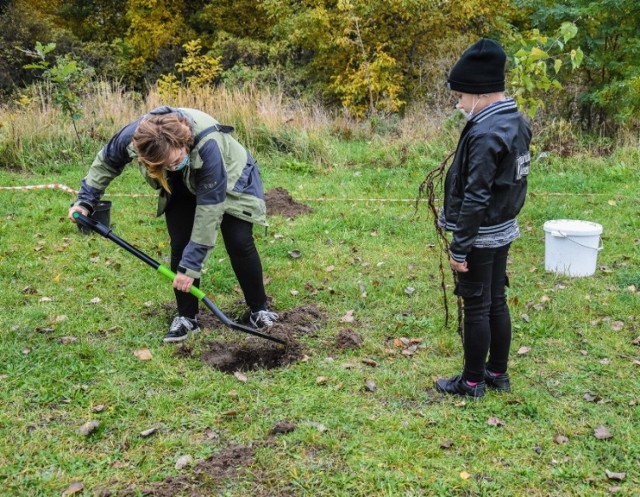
[{"x": 369, "y": 57}]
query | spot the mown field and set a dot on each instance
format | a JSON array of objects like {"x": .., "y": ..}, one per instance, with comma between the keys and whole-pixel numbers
[{"x": 77, "y": 310}]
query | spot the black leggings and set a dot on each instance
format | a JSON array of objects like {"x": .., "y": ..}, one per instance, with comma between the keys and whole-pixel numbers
[
  {"x": 487, "y": 323},
  {"x": 238, "y": 240}
]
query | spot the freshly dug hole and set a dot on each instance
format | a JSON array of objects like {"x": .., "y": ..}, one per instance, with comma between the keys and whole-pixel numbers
[{"x": 246, "y": 353}]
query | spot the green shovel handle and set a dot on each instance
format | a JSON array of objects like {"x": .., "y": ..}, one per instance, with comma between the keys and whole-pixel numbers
[{"x": 167, "y": 273}]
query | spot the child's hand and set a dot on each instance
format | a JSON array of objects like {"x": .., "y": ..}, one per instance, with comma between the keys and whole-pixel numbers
[{"x": 460, "y": 267}]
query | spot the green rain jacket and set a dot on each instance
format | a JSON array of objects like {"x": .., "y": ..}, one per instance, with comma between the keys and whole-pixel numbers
[{"x": 221, "y": 174}]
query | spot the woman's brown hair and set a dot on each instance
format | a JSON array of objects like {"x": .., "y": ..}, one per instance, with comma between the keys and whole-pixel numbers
[{"x": 155, "y": 137}]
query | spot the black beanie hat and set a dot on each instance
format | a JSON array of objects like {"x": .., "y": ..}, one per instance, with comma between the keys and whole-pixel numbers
[{"x": 480, "y": 69}]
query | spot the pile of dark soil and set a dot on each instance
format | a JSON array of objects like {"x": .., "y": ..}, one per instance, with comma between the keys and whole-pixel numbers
[
  {"x": 348, "y": 339},
  {"x": 279, "y": 202}
]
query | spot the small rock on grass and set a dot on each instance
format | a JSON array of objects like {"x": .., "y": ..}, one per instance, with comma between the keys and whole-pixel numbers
[
  {"x": 148, "y": 433},
  {"x": 88, "y": 428},
  {"x": 75, "y": 488},
  {"x": 183, "y": 462},
  {"x": 370, "y": 386},
  {"x": 282, "y": 427}
]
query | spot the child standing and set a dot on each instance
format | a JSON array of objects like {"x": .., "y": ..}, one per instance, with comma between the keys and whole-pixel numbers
[{"x": 485, "y": 189}]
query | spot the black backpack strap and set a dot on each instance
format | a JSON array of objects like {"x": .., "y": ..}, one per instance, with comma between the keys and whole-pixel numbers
[{"x": 222, "y": 128}]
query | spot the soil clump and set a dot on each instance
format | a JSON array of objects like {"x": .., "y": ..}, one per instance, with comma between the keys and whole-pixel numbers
[
  {"x": 207, "y": 475},
  {"x": 279, "y": 202},
  {"x": 348, "y": 339}
]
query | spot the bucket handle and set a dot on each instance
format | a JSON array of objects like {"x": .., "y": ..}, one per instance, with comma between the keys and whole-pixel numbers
[{"x": 564, "y": 235}]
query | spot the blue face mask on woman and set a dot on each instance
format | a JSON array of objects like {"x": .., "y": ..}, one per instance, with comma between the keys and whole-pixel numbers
[{"x": 183, "y": 164}]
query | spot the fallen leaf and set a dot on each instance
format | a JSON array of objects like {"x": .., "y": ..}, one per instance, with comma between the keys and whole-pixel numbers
[
  {"x": 88, "y": 428},
  {"x": 615, "y": 476},
  {"x": 493, "y": 421},
  {"x": 209, "y": 434},
  {"x": 183, "y": 462},
  {"x": 45, "y": 299},
  {"x": 409, "y": 290},
  {"x": 240, "y": 376},
  {"x": 95, "y": 300},
  {"x": 74, "y": 488},
  {"x": 99, "y": 408},
  {"x": 294, "y": 254},
  {"x": 590, "y": 398},
  {"x": 148, "y": 433},
  {"x": 545, "y": 298},
  {"x": 636, "y": 341},
  {"x": 67, "y": 340},
  {"x": 348, "y": 317},
  {"x": 321, "y": 380},
  {"x": 410, "y": 351},
  {"x": 318, "y": 426},
  {"x": 369, "y": 362},
  {"x": 230, "y": 413},
  {"x": 464, "y": 475},
  {"x": 602, "y": 433},
  {"x": 524, "y": 350},
  {"x": 611, "y": 202},
  {"x": 560, "y": 439},
  {"x": 143, "y": 354},
  {"x": 294, "y": 292},
  {"x": 328, "y": 269},
  {"x": 446, "y": 444},
  {"x": 617, "y": 325},
  {"x": 525, "y": 318},
  {"x": 370, "y": 386}
]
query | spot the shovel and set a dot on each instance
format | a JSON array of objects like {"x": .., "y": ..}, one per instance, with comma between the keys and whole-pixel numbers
[{"x": 106, "y": 232}]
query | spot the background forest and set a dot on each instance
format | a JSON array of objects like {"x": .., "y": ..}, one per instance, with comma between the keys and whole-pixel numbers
[{"x": 368, "y": 58}]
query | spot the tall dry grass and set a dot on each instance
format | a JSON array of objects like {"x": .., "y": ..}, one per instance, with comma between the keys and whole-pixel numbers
[{"x": 35, "y": 131}]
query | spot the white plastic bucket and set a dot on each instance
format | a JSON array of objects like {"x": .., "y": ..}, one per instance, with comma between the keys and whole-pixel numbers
[{"x": 571, "y": 246}]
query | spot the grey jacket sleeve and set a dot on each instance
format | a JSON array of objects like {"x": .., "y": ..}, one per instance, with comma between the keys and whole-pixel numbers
[{"x": 211, "y": 192}]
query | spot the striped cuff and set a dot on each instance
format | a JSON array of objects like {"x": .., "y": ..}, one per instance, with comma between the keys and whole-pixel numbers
[{"x": 458, "y": 257}]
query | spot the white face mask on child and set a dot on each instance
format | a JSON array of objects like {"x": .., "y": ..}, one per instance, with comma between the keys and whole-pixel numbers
[{"x": 469, "y": 114}]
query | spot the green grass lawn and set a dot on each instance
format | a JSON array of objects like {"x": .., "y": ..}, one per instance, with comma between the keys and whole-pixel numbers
[{"x": 579, "y": 372}]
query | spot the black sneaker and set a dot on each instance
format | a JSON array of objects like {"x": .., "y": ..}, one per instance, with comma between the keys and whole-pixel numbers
[
  {"x": 180, "y": 328},
  {"x": 458, "y": 386},
  {"x": 262, "y": 319},
  {"x": 497, "y": 381}
]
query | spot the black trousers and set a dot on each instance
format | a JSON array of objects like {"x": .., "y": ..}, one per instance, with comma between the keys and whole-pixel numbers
[
  {"x": 238, "y": 241},
  {"x": 487, "y": 323}
]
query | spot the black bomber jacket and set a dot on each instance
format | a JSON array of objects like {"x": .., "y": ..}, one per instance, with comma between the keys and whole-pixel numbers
[{"x": 486, "y": 184}]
